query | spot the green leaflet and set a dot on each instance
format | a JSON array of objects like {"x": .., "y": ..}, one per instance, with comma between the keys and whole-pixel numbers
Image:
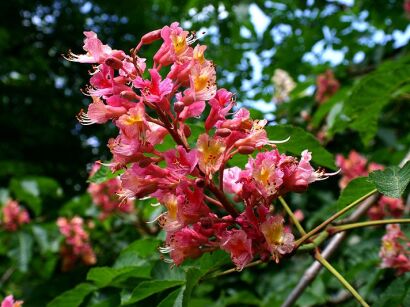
[{"x": 392, "y": 181}]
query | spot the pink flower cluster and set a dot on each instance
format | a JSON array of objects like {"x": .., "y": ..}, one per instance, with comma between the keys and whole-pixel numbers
[
  {"x": 10, "y": 302},
  {"x": 104, "y": 195},
  {"x": 14, "y": 216},
  {"x": 357, "y": 165},
  {"x": 395, "y": 250},
  {"x": 327, "y": 86},
  {"x": 190, "y": 182},
  {"x": 76, "y": 244},
  {"x": 406, "y": 7}
]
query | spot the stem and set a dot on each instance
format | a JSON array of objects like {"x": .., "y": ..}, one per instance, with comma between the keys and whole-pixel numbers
[
  {"x": 222, "y": 198},
  {"x": 214, "y": 201},
  {"x": 233, "y": 270},
  {"x": 344, "y": 282},
  {"x": 316, "y": 242},
  {"x": 340, "y": 228},
  {"x": 332, "y": 218},
  {"x": 292, "y": 216}
]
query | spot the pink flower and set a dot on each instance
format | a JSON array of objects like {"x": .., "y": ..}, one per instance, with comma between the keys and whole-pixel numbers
[
  {"x": 134, "y": 124},
  {"x": 14, "y": 216},
  {"x": 10, "y": 302},
  {"x": 180, "y": 161},
  {"x": 264, "y": 171},
  {"x": 156, "y": 90},
  {"x": 76, "y": 245},
  {"x": 406, "y": 6},
  {"x": 393, "y": 253},
  {"x": 386, "y": 206},
  {"x": 279, "y": 241},
  {"x": 175, "y": 46},
  {"x": 327, "y": 86},
  {"x": 352, "y": 167},
  {"x": 231, "y": 180},
  {"x": 220, "y": 106},
  {"x": 239, "y": 246},
  {"x": 184, "y": 243},
  {"x": 191, "y": 206},
  {"x": 104, "y": 195},
  {"x": 99, "y": 113},
  {"x": 210, "y": 153},
  {"x": 96, "y": 51}
]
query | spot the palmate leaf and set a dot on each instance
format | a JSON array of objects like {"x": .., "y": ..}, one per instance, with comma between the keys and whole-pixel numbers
[
  {"x": 392, "y": 181},
  {"x": 369, "y": 96}
]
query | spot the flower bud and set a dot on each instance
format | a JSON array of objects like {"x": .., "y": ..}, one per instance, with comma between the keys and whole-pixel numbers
[
  {"x": 114, "y": 63},
  {"x": 223, "y": 132},
  {"x": 246, "y": 150},
  {"x": 178, "y": 106},
  {"x": 199, "y": 182},
  {"x": 129, "y": 95},
  {"x": 187, "y": 131}
]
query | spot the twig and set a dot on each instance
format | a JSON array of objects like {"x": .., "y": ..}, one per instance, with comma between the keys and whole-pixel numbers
[
  {"x": 341, "y": 228},
  {"x": 332, "y": 218},
  {"x": 340, "y": 277},
  {"x": 311, "y": 273}
]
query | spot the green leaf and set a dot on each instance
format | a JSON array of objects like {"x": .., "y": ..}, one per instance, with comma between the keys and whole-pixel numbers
[
  {"x": 211, "y": 261},
  {"x": 242, "y": 298},
  {"x": 148, "y": 288},
  {"x": 174, "y": 299},
  {"x": 138, "y": 253},
  {"x": 78, "y": 205},
  {"x": 299, "y": 141},
  {"x": 193, "y": 276},
  {"x": 41, "y": 236},
  {"x": 395, "y": 294},
  {"x": 356, "y": 188},
  {"x": 33, "y": 190},
  {"x": 103, "y": 174},
  {"x": 73, "y": 297},
  {"x": 325, "y": 108},
  {"x": 392, "y": 181},
  {"x": 23, "y": 252},
  {"x": 363, "y": 108},
  {"x": 104, "y": 276}
]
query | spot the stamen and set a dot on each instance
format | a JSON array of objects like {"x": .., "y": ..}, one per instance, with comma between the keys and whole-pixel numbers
[
  {"x": 84, "y": 119},
  {"x": 165, "y": 250},
  {"x": 279, "y": 142},
  {"x": 156, "y": 219}
]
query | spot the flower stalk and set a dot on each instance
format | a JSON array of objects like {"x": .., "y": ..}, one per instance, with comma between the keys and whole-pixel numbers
[
  {"x": 343, "y": 281},
  {"x": 341, "y": 228},
  {"x": 332, "y": 218}
]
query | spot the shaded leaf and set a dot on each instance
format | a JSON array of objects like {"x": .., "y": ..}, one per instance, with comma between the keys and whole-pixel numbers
[
  {"x": 356, "y": 188},
  {"x": 104, "y": 276},
  {"x": 148, "y": 288},
  {"x": 363, "y": 108},
  {"x": 174, "y": 299},
  {"x": 392, "y": 181},
  {"x": 299, "y": 141},
  {"x": 73, "y": 297}
]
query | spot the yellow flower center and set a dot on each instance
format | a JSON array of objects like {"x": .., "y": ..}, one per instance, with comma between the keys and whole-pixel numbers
[
  {"x": 179, "y": 42},
  {"x": 200, "y": 82}
]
